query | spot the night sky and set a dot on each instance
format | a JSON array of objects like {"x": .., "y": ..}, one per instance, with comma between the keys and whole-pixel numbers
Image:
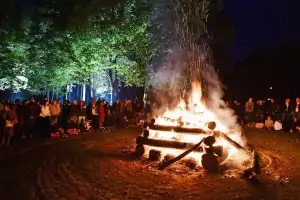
[{"x": 262, "y": 24}]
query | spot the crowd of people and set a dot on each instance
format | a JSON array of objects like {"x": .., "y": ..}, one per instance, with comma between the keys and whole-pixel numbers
[
  {"x": 30, "y": 119},
  {"x": 269, "y": 114}
]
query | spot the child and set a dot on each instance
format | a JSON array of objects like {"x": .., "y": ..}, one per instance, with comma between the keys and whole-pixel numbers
[
  {"x": 269, "y": 123},
  {"x": 87, "y": 125}
]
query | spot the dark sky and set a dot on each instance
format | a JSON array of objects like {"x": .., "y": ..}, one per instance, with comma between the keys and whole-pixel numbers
[{"x": 262, "y": 24}]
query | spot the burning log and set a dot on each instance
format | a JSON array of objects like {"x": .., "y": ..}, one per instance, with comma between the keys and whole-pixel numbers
[
  {"x": 233, "y": 143},
  {"x": 178, "y": 129},
  {"x": 164, "y": 143},
  {"x": 166, "y": 164},
  {"x": 211, "y": 125}
]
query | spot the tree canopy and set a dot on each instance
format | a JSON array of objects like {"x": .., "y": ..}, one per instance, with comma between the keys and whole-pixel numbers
[{"x": 56, "y": 43}]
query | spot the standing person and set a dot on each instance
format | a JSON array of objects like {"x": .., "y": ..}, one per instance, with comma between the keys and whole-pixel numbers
[
  {"x": 1, "y": 106},
  {"x": 138, "y": 107},
  {"x": 82, "y": 115},
  {"x": 287, "y": 120},
  {"x": 45, "y": 115},
  {"x": 249, "y": 110},
  {"x": 101, "y": 114},
  {"x": 259, "y": 112},
  {"x": 65, "y": 114},
  {"x": 32, "y": 111},
  {"x": 10, "y": 119},
  {"x": 296, "y": 114},
  {"x": 54, "y": 117},
  {"x": 117, "y": 107},
  {"x": 73, "y": 121},
  {"x": 272, "y": 109},
  {"x": 148, "y": 111},
  {"x": 17, "y": 109},
  {"x": 92, "y": 111},
  {"x": 238, "y": 109}
]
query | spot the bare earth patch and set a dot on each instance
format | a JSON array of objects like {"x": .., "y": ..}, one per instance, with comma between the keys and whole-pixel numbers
[{"x": 103, "y": 167}]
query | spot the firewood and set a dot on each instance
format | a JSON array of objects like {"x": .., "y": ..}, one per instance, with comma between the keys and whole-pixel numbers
[
  {"x": 168, "y": 157},
  {"x": 164, "y": 143},
  {"x": 211, "y": 125},
  {"x": 210, "y": 162},
  {"x": 146, "y": 133},
  {"x": 154, "y": 155},
  {"x": 218, "y": 150},
  {"x": 178, "y": 129},
  {"x": 139, "y": 150},
  {"x": 191, "y": 163},
  {"x": 166, "y": 164},
  {"x": 209, "y": 141},
  {"x": 233, "y": 143}
]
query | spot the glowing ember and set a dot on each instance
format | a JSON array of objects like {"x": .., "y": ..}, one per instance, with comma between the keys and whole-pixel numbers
[{"x": 192, "y": 115}]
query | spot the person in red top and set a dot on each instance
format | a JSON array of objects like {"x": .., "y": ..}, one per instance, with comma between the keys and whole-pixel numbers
[{"x": 101, "y": 113}]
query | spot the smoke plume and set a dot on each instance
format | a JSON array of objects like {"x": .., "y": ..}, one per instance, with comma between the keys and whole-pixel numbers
[{"x": 186, "y": 59}]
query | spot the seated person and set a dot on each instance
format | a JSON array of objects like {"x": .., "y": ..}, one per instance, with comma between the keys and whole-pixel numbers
[
  {"x": 269, "y": 123},
  {"x": 277, "y": 126}
]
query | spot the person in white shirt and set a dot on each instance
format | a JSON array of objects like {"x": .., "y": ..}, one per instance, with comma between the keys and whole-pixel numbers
[{"x": 45, "y": 123}]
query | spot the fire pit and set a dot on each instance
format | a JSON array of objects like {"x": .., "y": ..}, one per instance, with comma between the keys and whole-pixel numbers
[
  {"x": 164, "y": 142},
  {"x": 189, "y": 132}
]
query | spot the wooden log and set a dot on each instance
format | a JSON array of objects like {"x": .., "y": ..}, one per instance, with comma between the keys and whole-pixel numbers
[
  {"x": 209, "y": 162},
  {"x": 164, "y": 143},
  {"x": 190, "y": 163},
  {"x": 194, "y": 148},
  {"x": 146, "y": 133},
  {"x": 154, "y": 155},
  {"x": 168, "y": 157},
  {"x": 139, "y": 150},
  {"x": 233, "y": 143},
  {"x": 209, "y": 141},
  {"x": 178, "y": 129}
]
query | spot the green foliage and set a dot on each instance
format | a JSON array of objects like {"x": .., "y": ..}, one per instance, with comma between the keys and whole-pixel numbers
[{"x": 63, "y": 42}]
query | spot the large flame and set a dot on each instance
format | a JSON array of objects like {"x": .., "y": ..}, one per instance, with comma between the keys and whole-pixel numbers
[{"x": 193, "y": 114}]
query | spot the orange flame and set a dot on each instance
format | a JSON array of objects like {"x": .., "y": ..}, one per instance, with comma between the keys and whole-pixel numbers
[{"x": 193, "y": 115}]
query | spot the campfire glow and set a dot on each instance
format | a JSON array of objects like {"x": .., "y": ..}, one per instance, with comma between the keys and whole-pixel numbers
[{"x": 192, "y": 115}]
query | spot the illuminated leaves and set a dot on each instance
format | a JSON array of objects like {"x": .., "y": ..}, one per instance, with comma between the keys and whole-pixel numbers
[{"x": 59, "y": 44}]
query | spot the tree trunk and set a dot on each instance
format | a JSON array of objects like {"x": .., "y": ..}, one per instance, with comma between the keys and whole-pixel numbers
[
  {"x": 11, "y": 96},
  {"x": 111, "y": 95},
  {"x": 70, "y": 92},
  {"x": 83, "y": 92},
  {"x": 145, "y": 95},
  {"x": 48, "y": 94},
  {"x": 66, "y": 98},
  {"x": 109, "y": 76},
  {"x": 92, "y": 86},
  {"x": 52, "y": 94},
  {"x": 78, "y": 91}
]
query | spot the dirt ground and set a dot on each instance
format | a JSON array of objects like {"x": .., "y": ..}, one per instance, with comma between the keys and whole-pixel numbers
[{"x": 100, "y": 166}]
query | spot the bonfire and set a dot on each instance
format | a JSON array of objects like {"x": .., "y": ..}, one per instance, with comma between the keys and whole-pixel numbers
[{"x": 191, "y": 131}]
